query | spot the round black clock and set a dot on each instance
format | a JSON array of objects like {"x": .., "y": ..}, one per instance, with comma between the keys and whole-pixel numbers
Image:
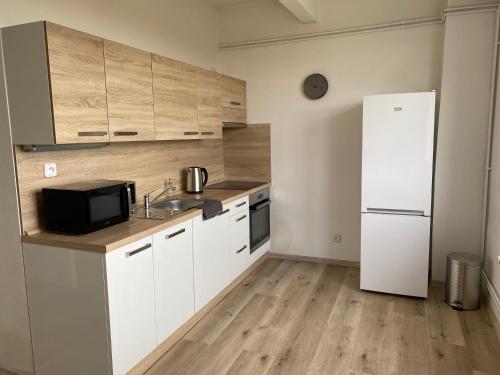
[{"x": 315, "y": 86}]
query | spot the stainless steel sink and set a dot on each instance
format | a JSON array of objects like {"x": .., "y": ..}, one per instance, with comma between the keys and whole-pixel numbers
[
  {"x": 166, "y": 209},
  {"x": 176, "y": 204}
]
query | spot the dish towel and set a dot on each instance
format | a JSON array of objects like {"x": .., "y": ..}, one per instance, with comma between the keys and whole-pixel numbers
[{"x": 211, "y": 208}]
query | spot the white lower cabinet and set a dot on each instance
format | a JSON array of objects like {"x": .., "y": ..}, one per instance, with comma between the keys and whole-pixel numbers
[
  {"x": 173, "y": 272},
  {"x": 211, "y": 257},
  {"x": 131, "y": 303},
  {"x": 96, "y": 313},
  {"x": 239, "y": 251}
]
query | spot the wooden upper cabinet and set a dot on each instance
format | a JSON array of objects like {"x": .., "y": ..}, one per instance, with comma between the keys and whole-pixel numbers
[
  {"x": 209, "y": 104},
  {"x": 129, "y": 85},
  {"x": 175, "y": 99},
  {"x": 78, "y": 85},
  {"x": 234, "y": 93}
]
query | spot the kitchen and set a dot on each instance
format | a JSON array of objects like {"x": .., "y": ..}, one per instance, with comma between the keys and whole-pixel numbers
[{"x": 308, "y": 152}]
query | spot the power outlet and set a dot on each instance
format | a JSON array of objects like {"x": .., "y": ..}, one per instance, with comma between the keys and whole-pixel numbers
[
  {"x": 337, "y": 237},
  {"x": 50, "y": 170}
]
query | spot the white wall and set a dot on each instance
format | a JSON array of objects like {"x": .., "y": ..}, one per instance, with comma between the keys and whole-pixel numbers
[
  {"x": 462, "y": 138},
  {"x": 492, "y": 251},
  {"x": 185, "y": 30},
  {"x": 316, "y": 145},
  {"x": 15, "y": 339},
  {"x": 268, "y": 19}
]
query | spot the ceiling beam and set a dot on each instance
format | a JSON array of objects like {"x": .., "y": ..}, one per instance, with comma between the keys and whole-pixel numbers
[{"x": 306, "y": 11}]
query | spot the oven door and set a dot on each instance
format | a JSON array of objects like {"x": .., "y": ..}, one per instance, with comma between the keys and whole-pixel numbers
[
  {"x": 108, "y": 206},
  {"x": 260, "y": 224}
]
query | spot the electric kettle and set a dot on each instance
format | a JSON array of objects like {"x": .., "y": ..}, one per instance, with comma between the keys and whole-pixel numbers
[{"x": 197, "y": 178}]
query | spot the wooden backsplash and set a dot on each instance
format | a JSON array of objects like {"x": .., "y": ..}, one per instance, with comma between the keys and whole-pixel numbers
[
  {"x": 247, "y": 153},
  {"x": 150, "y": 164}
]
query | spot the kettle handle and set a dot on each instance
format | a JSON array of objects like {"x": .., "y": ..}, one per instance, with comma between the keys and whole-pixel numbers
[{"x": 205, "y": 176}]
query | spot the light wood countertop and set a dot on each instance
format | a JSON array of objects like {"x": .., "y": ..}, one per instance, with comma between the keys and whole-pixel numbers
[{"x": 116, "y": 236}]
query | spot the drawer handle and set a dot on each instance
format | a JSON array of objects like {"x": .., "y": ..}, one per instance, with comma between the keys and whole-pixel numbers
[
  {"x": 223, "y": 212},
  {"x": 241, "y": 218},
  {"x": 207, "y": 133},
  {"x": 125, "y": 133},
  {"x": 168, "y": 236},
  {"x": 235, "y": 103},
  {"x": 136, "y": 251},
  {"x": 191, "y": 133},
  {"x": 240, "y": 250},
  {"x": 241, "y": 204},
  {"x": 92, "y": 134}
]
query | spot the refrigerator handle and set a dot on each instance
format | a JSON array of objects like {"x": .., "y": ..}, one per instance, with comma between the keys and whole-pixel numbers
[{"x": 392, "y": 211}]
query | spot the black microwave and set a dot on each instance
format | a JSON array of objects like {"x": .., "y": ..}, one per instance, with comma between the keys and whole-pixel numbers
[{"x": 85, "y": 207}]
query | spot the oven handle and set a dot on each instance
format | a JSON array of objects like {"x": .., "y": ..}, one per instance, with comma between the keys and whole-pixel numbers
[{"x": 261, "y": 205}]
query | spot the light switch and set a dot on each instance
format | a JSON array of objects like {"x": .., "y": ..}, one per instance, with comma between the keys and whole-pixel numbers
[{"x": 50, "y": 169}]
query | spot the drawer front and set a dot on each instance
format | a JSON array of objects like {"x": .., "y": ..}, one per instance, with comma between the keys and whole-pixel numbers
[
  {"x": 239, "y": 205},
  {"x": 240, "y": 228},
  {"x": 238, "y": 116},
  {"x": 240, "y": 257}
]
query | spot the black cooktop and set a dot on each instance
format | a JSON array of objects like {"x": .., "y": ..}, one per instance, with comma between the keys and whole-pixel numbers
[{"x": 235, "y": 185}]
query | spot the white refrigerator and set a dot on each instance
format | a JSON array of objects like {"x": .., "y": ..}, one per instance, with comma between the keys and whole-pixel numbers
[{"x": 396, "y": 203}]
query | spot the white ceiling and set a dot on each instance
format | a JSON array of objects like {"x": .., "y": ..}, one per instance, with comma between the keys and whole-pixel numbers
[{"x": 225, "y": 3}]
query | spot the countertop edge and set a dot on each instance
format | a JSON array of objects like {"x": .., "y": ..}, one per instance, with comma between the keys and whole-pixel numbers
[{"x": 66, "y": 242}]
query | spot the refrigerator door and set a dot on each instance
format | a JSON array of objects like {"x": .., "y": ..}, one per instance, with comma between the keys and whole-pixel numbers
[
  {"x": 395, "y": 254},
  {"x": 398, "y": 144}
]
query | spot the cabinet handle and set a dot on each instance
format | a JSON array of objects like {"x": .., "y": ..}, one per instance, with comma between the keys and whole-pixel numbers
[
  {"x": 125, "y": 133},
  {"x": 191, "y": 133},
  {"x": 168, "y": 236},
  {"x": 133, "y": 252},
  {"x": 207, "y": 133},
  {"x": 241, "y": 204},
  {"x": 240, "y": 250},
  {"x": 241, "y": 218},
  {"x": 223, "y": 212},
  {"x": 235, "y": 103},
  {"x": 92, "y": 134}
]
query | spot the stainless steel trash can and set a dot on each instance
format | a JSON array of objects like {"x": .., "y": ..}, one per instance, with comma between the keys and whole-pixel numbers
[{"x": 463, "y": 281}]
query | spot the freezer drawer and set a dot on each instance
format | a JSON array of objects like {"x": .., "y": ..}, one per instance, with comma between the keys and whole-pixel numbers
[{"x": 395, "y": 254}]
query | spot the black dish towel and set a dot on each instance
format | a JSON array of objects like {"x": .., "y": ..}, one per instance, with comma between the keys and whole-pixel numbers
[{"x": 211, "y": 208}]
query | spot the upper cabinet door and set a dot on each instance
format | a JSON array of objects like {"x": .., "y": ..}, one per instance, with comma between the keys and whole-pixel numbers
[
  {"x": 209, "y": 104},
  {"x": 234, "y": 93},
  {"x": 129, "y": 85},
  {"x": 175, "y": 99},
  {"x": 78, "y": 84}
]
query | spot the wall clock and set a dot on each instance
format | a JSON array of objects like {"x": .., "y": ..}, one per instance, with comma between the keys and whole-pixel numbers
[{"x": 315, "y": 86}]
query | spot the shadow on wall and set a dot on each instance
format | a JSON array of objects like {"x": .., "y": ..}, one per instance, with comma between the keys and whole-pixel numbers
[{"x": 319, "y": 179}]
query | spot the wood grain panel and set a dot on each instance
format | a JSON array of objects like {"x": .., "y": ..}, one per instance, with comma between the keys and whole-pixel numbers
[
  {"x": 209, "y": 104},
  {"x": 236, "y": 115},
  {"x": 78, "y": 84},
  {"x": 234, "y": 92},
  {"x": 119, "y": 161},
  {"x": 247, "y": 153},
  {"x": 129, "y": 86},
  {"x": 175, "y": 99}
]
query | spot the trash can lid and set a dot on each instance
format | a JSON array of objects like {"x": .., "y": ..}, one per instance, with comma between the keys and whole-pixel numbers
[{"x": 469, "y": 259}]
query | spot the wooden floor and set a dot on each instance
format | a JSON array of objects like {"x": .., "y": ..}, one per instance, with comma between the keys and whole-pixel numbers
[{"x": 305, "y": 318}]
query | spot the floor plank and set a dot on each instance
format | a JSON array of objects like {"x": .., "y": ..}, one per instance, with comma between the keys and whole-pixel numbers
[{"x": 292, "y": 317}]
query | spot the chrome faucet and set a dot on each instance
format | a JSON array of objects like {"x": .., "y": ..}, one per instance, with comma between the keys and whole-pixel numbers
[{"x": 169, "y": 189}]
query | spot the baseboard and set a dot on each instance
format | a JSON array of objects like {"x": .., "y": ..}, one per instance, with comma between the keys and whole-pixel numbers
[
  {"x": 166, "y": 345},
  {"x": 492, "y": 299},
  {"x": 302, "y": 258}
]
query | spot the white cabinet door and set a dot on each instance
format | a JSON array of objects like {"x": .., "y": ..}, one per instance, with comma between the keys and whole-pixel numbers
[
  {"x": 211, "y": 257},
  {"x": 395, "y": 254},
  {"x": 240, "y": 243},
  {"x": 398, "y": 144},
  {"x": 173, "y": 270},
  {"x": 130, "y": 283}
]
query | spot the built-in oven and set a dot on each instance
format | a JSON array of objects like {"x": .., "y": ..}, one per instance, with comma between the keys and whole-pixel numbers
[{"x": 260, "y": 218}]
